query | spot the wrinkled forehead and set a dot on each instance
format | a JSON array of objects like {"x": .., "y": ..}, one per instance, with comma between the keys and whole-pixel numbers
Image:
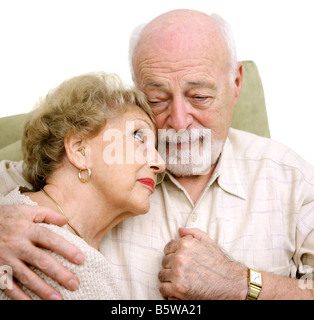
[{"x": 172, "y": 41}]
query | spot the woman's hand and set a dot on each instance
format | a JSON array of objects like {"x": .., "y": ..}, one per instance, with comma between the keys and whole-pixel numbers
[{"x": 20, "y": 242}]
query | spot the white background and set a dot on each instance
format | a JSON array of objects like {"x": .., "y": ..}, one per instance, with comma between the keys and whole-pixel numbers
[{"x": 43, "y": 42}]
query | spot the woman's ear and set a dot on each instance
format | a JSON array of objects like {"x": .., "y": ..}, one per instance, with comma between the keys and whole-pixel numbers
[{"x": 75, "y": 150}]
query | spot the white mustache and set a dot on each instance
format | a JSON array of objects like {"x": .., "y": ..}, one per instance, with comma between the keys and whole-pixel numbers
[
  {"x": 182, "y": 136},
  {"x": 203, "y": 151}
]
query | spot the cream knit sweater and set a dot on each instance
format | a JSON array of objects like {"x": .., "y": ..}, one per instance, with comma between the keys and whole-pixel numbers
[{"x": 95, "y": 276}]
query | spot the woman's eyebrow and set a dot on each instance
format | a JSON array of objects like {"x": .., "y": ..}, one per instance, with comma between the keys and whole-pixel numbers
[{"x": 140, "y": 119}]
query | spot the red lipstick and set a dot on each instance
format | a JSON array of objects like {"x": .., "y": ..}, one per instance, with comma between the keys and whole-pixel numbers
[{"x": 148, "y": 182}]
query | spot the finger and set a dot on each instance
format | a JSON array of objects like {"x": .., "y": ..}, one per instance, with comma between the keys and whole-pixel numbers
[
  {"x": 47, "y": 215},
  {"x": 44, "y": 261},
  {"x": 175, "y": 245},
  {"x": 171, "y": 246},
  {"x": 165, "y": 275},
  {"x": 195, "y": 233},
  {"x": 32, "y": 213},
  {"x": 16, "y": 293},
  {"x": 48, "y": 239},
  {"x": 165, "y": 288},
  {"x": 166, "y": 261},
  {"x": 33, "y": 282},
  {"x": 188, "y": 236}
]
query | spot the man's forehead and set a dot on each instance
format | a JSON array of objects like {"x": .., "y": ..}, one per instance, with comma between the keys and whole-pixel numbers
[
  {"x": 188, "y": 62},
  {"x": 187, "y": 81}
]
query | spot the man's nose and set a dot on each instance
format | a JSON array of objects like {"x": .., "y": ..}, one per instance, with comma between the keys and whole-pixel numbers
[{"x": 180, "y": 116}]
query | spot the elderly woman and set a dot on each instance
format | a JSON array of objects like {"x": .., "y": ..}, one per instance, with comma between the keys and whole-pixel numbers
[{"x": 89, "y": 154}]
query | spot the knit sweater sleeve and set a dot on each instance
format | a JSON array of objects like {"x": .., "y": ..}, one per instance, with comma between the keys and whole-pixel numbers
[{"x": 94, "y": 275}]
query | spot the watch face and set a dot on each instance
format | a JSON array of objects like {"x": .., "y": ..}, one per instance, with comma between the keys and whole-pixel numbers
[{"x": 256, "y": 277}]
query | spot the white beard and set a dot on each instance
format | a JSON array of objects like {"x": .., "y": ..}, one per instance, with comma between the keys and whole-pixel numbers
[{"x": 195, "y": 159}]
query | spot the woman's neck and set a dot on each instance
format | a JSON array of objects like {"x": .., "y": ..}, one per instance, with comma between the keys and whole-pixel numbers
[{"x": 86, "y": 210}]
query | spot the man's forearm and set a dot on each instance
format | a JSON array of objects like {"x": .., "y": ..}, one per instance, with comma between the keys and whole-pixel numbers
[{"x": 280, "y": 288}]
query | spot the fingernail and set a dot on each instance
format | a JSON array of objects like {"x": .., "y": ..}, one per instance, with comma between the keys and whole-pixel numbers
[
  {"x": 79, "y": 258},
  {"x": 55, "y": 297},
  {"x": 72, "y": 284}
]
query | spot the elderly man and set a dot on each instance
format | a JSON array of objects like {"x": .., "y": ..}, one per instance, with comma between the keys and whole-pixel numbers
[{"x": 238, "y": 227}]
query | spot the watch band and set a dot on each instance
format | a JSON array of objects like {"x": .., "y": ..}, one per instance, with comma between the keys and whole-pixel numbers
[
  {"x": 254, "y": 288},
  {"x": 253, "y": 292}
]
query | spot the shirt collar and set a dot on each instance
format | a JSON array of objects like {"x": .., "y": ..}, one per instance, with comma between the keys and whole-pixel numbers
[
  {"x": 227, "y": 173},
  {"x": 229, "y": 177}
]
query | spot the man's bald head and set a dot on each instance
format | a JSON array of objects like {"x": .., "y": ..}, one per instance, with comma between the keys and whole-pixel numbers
[{"x": 181, "y": 31}]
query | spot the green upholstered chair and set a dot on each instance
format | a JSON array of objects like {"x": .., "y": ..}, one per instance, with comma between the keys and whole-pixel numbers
[
  {"x": 10, "y": 137},
  {"x": 249, "y": 115},
  {"x": 250, "y": 112}
]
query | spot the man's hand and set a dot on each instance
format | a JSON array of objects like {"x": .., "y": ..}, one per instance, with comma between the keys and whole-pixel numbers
[
  {"x": 194, "y": 267},
  {"x": 20, "y": 239}
]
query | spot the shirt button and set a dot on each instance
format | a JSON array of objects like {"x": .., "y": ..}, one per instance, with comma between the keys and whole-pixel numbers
[{"x": 194, "y": 217}]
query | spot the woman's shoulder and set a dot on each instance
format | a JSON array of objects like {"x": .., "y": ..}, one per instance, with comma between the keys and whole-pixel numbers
[
  {"x": 15, "y": 197},
  {"x": 95, "y": 275}
]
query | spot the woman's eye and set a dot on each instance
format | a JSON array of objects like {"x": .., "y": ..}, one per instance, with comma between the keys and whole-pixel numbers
[{"x": 139, "y": 135}]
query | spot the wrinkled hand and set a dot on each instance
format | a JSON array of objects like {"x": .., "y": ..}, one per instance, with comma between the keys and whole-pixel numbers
[
  {"x": 195, "y": 268},
  {"x": 20, "y": 237}
]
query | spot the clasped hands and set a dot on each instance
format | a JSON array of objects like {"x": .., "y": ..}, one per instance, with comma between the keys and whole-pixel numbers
[{"x": 195, "y": 268}]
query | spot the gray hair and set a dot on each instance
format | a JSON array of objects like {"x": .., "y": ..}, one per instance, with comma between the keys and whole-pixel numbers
[
  {"x": 224, "y": 27},
  {"x": 134, "y": 38}
]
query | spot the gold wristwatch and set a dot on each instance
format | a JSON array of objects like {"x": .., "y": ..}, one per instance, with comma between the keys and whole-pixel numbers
[{"x": 255, "y": 284}]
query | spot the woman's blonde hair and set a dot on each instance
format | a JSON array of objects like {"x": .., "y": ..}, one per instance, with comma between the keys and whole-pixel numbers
[{"x": 80, "y": 105}]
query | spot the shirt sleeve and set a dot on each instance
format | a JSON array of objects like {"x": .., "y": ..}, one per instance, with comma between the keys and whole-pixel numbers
[
  {"x": 11, "y": 176},
  {"x": 304, "y": 254}
]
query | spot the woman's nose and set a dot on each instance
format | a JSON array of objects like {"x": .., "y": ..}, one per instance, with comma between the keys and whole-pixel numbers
[{"x": 157, "y": 164}]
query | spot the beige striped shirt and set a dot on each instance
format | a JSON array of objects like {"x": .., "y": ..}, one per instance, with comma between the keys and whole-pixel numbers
[{"x": 258, "y": 206}]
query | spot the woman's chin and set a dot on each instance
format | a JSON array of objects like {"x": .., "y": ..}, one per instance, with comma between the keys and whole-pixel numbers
[{"x": 143, "y": 208}]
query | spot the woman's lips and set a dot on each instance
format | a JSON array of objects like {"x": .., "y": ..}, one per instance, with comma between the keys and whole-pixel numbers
[{"x": 148, "y": 182}]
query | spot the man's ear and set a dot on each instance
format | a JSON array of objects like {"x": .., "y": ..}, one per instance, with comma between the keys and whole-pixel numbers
[
  {"x": 75, "y": 150},
  {"x": 238, "y": 81}
]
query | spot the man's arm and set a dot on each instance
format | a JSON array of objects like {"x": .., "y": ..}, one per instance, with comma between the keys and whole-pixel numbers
[
  {"x": 194, "y": 267},
  {"x": 20, "y": 242}
]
